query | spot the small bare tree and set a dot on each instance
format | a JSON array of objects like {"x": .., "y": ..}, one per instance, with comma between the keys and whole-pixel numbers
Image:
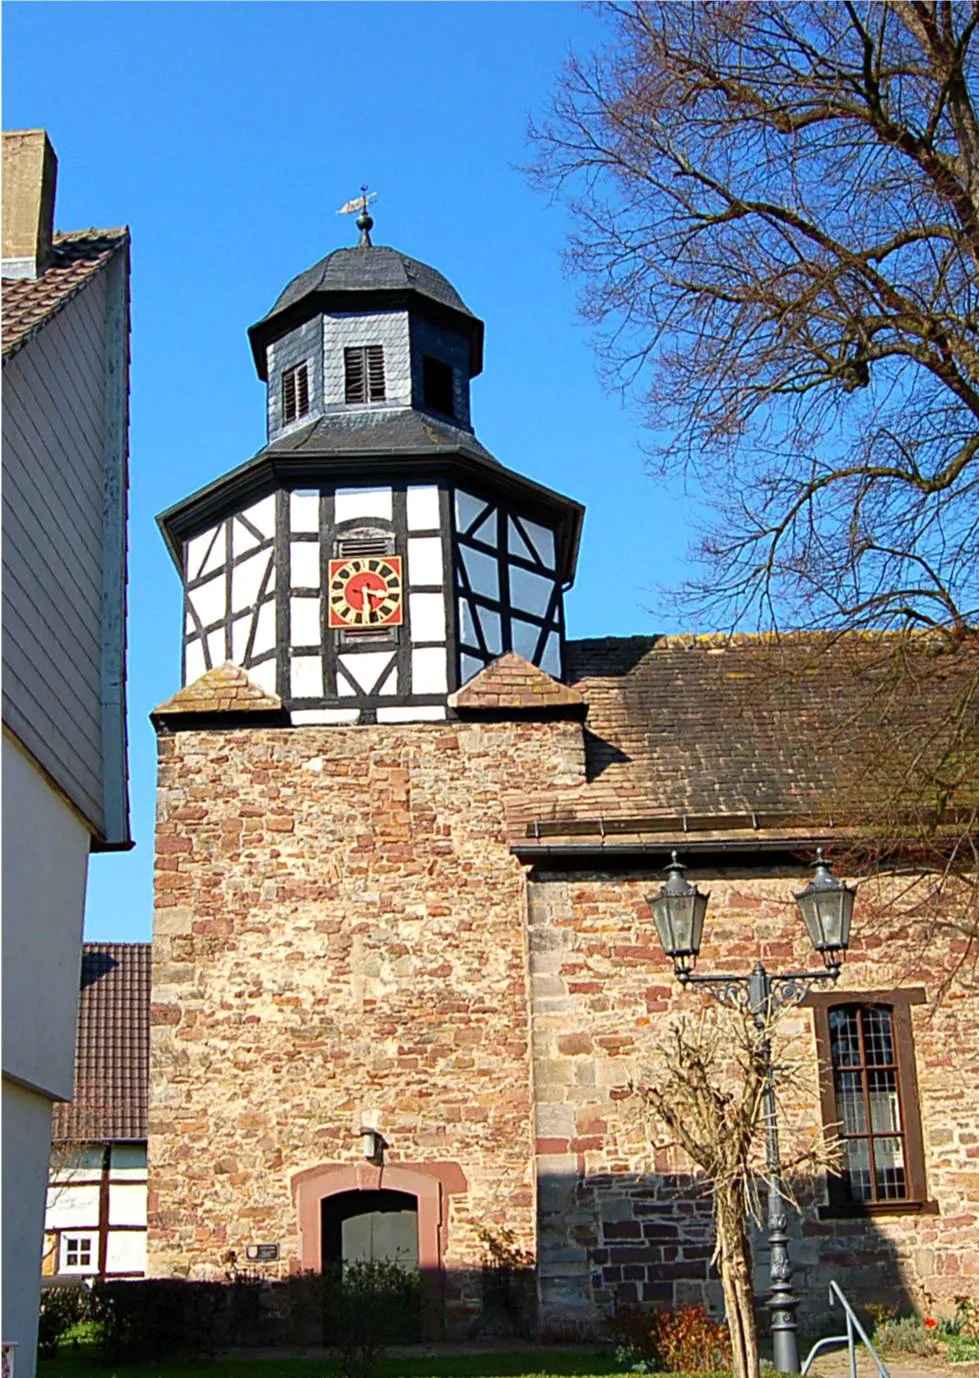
[{"x": 709, "y": 1090}]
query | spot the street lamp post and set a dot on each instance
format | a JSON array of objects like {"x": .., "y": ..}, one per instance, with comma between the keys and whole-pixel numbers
[{"x": 826, "y": 904}]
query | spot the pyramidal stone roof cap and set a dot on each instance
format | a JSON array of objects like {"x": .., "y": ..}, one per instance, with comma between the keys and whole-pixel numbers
[
  {"x": 225, "y": 689},
  {"x": 512, "y": 685}
]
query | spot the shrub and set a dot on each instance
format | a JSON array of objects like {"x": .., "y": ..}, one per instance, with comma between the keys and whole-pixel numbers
[
  {"x": 61, "y": 1309},
  {"x": 370, "y": 1306},
  {"x": 687, "y": 1340},
  {"x": 155, "y": 1318}
]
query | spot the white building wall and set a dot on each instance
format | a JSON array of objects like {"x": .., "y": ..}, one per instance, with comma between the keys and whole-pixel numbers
[{"x": 26, "y": 1142}]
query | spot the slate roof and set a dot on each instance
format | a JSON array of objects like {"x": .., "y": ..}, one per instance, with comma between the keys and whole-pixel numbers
[
  {"x": 373, "y": 269},
  {"x": 717, "y": 726},
  {"x": 77, "y": 256},
  {"x": 112, "y": 1050},
  {"x": 401, "y": 430}
]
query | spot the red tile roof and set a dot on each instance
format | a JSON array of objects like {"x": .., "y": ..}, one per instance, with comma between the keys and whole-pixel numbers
[
  {"x": 513, "y": 685},
  {"x": 112, "y": 1049},
  {"x": 28, "y": 303}
]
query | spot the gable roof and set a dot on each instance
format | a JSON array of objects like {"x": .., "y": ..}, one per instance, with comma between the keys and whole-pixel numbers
[
  {"x": 112, "y": 1048},
  {"x": 29, "y": 303},
  {"x": 754, "y": 733}
]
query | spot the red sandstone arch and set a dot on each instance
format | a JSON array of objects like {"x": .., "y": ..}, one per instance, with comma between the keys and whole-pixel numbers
[{"x": 430, "y": 1183}]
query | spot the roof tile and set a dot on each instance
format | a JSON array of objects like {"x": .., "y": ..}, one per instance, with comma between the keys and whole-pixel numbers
[
  {"x": 28, "y": 303},
  {"x": 225, "y": 689}
]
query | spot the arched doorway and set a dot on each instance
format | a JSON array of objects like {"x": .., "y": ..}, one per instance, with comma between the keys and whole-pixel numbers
[{"x": 369, "y": 1227}]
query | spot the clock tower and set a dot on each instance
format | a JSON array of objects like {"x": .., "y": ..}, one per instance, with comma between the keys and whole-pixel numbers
[{"x": 373, "y": 556}]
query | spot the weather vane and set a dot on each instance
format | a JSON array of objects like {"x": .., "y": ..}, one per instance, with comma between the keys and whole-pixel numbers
[{"x": 364, "y": 221}]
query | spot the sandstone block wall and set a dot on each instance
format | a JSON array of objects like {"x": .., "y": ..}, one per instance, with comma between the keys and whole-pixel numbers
[
  {"x": 622, "y": 1222},
  {"x": 340, "y": 938}
]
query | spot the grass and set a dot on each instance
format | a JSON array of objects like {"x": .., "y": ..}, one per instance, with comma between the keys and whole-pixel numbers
[{"x": 556, "y": 1363}]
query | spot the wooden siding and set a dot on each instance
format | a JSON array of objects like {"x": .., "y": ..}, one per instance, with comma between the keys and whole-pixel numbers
[{"x": 54, "y": 451}]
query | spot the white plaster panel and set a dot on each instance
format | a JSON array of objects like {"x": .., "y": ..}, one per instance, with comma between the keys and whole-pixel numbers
[
  {"x": 488, "y": 529},
  {"x": 367, "y": 667},
  {"x": 127, "y": 1203},
  {"x": 483, "y": 572},
  {"x": 345, "y": 690},
  {"x": 428, "y": 670},
  {"x": 304, "y": 564},
  {"x": 262, "y": 515},
  {"x": 425, "y": 560},
  {"x": 304, "y": 511},
  {"x": 73, "y": 1208},
  {"x": 128, "y": 1160},
  {"x": 422, "y": 506},
  {"x": 389, "y": 685},
  {"x": 205, "y": 552},
  {"x": 468, "y": 509},
  {"x": 194, "y": 664},
  {"x": 426, "y": 613},
  {"x": 264, "y": 629},
  {"x": 525, "y": 637},
  {"x": 242, "y": 538},
  {"x": 551, "y": 659},
  {"x": 467, "y": 627},
  {"x": 216, "y": 647},
  {"x": 530, "y": 592},
  {"x": 246, "y": 581},
  {"x": 432, "y": 712},
  {"x": 304, "y": 615},
  {"x": 208, "y": 601},
  {"x": 350, "y": 503},
  {"x": 240, "y": 630},
  {"x": 492, "y": 630},
  {"x": 189, "y": 624},
  {"x": 264, "y": 676},
  {"x": 469, "y": 667},
  {"x": 516, "y": 543},
  {"x": 543, "y": 539},
  {"x": 325, "y": 715},
  {"x": 85, "y": 1164},
  {"x": 307, "y": 677},
  {"x": 125, "y": 1251}
]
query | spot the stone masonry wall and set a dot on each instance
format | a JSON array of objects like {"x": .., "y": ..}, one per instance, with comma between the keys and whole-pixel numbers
[
  {"x": 340, "y": 938},
  {"x": 619, "y": 1222}
]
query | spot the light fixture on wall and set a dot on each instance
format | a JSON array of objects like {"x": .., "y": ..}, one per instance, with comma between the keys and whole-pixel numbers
[{"x": 372, "y": 1144}]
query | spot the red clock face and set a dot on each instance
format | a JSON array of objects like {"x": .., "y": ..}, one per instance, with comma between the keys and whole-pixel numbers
[{"x": 366, "y": 592}]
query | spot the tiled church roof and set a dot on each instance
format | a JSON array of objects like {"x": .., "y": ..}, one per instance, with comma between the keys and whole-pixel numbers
[
  {"x": 76, "y": 258},
  {"x": 112, "y": 1049},
  {"x": 722, "y": 726}
]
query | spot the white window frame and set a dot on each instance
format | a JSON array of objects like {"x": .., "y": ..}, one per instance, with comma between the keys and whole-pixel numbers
[{"x": 78, "y": 1237}]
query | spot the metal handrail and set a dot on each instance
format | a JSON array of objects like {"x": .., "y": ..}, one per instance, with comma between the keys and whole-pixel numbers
[{"x": 853, "y": 1329}]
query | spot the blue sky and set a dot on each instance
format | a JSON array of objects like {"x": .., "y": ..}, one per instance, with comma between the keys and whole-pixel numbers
[{"x": 225, "y": 136}]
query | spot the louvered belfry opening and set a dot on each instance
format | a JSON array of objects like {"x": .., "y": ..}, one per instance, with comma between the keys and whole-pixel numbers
[
  {"x": 437, "y": 386},
  {"x": 295, "y": 393},
  {"x": 363, "y": 369}
]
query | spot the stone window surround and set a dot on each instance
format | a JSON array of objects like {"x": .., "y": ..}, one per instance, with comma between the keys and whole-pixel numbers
[
  {"x": 430, "y": 1183},
  {"x": 899, "y": 1002}
]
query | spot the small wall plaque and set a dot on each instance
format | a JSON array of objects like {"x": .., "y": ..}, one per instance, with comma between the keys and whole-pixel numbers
[{"x": 262, "y": 1253}]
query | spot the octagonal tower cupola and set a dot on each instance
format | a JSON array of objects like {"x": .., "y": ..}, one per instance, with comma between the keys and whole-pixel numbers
[
  {"x": 373, "y": 556},
  {"x": 367, "y": 329}
]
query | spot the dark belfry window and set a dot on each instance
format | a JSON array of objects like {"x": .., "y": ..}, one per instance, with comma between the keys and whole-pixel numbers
[
  {"x": 437, "y": 386},
  {"x": 363, "y": 370},
  {"x": 295, "y": 393}
]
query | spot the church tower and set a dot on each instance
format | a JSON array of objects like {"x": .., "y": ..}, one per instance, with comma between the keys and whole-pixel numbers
[{"x": 373, "y": 556}]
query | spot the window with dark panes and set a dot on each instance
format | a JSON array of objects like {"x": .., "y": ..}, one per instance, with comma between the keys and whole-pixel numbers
[
  {"x": 870, "y": 1100},
  {"x": 295, "y": 393},
  {"x": 437, "y": 385},
  {"x": 363, "y": 373}
]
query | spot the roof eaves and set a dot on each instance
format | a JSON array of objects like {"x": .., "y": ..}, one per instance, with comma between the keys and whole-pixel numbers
[{"x": 121, "y": 237}]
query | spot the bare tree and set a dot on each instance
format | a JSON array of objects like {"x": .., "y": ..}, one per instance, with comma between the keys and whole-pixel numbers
[
  {"x": 708, "y": 1090},
  {"x": 777, "y": 224},
  {"x": 777, "y": 209}
]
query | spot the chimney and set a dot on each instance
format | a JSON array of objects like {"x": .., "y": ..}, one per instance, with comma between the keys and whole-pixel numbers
[{"x": 30, "y": 170}]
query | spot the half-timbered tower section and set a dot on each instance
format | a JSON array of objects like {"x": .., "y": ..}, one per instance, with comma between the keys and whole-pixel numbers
[{"x": 373, "y": 556}]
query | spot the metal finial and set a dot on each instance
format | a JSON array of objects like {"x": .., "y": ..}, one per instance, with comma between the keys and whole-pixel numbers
[{"x": 364, "y": 221}]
